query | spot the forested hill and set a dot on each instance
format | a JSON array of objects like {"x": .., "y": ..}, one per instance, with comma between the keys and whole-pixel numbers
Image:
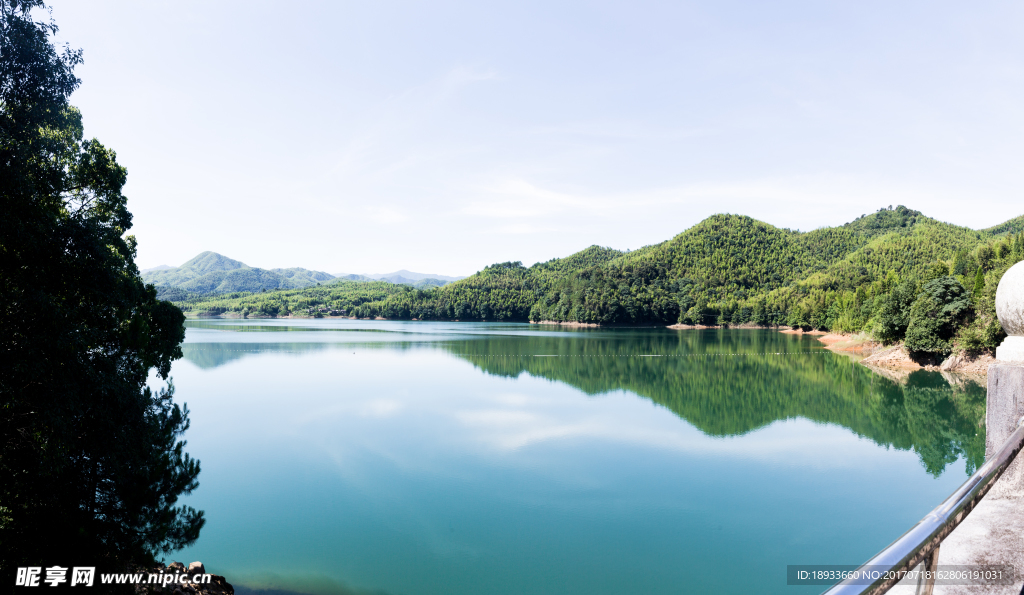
[
  {"x": 1015, "y": 225},
  {"x": 210, "y": 274},
  {"x": 732, "y": 269}
]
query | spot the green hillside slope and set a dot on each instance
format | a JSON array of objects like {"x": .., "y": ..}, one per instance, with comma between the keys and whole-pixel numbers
[
  {"x": 1015, "y": 226},
  {"x": 866, "y": 275},
  {"x": 210, "y": 272},
  {"x": 338, "y": 296},
  {"x": 202, "y": 264}
]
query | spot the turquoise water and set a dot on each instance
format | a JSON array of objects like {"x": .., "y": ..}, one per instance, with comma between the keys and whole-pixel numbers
[{"x": 421, "y": 458}]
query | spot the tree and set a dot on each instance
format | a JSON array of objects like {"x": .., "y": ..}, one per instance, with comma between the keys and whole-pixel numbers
[
  {"x": 935, "y": 313},
  {"x": 985, "y": 256},
  {"x": 979, "y": 283},
  {"x": 92, "y": 461},
  {"x": 894, "y": 312},
  {"x": 962, "y": 264},
  {"x": 937, "y": 270}
]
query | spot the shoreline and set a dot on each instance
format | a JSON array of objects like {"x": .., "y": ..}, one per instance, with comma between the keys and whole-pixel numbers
[
  {"x": 896, "y": 358},
  {"x": 876, "y": 356},
  {"x": 568, "y": 323}
]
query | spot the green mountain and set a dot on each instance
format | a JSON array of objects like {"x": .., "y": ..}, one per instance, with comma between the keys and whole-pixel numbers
[
  {"x": 732, "y": 269},
  {"x": 204, "y": 263},
  {"x": 1015, "y": 225},
  {"x": 210, "y": 273}
]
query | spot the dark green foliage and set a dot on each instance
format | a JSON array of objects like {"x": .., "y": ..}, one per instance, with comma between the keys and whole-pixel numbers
[
  {"x": 935, "y": 315},
  {"x": 983, "y": 330},
  {"x": 92, "y": 461},
  {"x": 894, "y": 312},
  {"x": 979, "y": 283},
  {"x": 924, "y": 333}
]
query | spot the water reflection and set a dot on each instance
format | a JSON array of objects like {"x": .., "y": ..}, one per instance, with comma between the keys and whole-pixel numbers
[
  {"x": 344, "y": 457},
  {"x": 725, "y": 383}
]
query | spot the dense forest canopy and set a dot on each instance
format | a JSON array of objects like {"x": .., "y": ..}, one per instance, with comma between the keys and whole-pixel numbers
[
  {"x": 92, "y": 459},
  {"x": 874, "y": 274}
]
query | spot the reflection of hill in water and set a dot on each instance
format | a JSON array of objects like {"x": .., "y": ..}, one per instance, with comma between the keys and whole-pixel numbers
[
  {"x": 734, "y": 394},
  {"x": 721, "y": 395},
  {"x": 212, "y": 355}
]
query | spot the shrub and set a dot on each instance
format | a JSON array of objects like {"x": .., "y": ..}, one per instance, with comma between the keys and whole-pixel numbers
[
  {"x": 894, "y": 312},
  {"x": 940, "y": 306}
]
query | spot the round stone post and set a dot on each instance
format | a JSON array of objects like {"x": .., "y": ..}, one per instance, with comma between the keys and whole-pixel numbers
[
  {"x": 1010, "y": 309},
  {"x": 1005, "y": 402}
]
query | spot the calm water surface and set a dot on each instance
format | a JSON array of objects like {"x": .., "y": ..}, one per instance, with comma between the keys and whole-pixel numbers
[{"x": 426, "y": 458}]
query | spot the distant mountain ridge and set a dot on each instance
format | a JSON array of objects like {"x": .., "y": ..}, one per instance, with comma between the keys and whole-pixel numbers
[
  {"x": 402, "y": 277},
  {"x": 159, "y": 267},
  {"x": 212, "y": 273}
]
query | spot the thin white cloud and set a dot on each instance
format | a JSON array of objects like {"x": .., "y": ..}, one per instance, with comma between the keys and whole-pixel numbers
[
  {"x": 386, "y": 215},
  {"x": 388, "y": 138},
  {"x": 522, "y": 200}
]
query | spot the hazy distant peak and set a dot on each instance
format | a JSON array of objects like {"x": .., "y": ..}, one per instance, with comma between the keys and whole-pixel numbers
[
  {"x": 402, "y": 274},
  {"x": 159, "y": 267}
]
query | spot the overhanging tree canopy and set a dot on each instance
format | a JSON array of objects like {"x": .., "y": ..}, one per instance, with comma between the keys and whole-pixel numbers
[{"x": 92, "y": 464}]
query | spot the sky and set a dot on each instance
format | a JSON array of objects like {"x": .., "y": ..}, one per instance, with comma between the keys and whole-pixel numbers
[{"x": 443, "y": 136}]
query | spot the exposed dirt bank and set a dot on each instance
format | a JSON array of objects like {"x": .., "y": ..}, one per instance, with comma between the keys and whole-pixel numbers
[
  {"x": 859, "y": 343},
  {"x": 567, "y": 323},
  {"x": 800, "y": 331},
  {"x": 897, "y": 357}
]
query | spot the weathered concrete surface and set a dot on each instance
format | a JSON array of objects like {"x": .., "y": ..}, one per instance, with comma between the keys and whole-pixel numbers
[
  {"x": 1004, "y": 408},
  {"x": 994, "y": 531}
]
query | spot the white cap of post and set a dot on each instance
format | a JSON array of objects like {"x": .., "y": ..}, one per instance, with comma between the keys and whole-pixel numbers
[{"x": 1010, "y": 309}]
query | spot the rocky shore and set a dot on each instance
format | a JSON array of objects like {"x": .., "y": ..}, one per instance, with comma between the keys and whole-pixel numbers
[
  {"x": 898, "y": 357},
  {"x": 570, "y": 324},
  {"x": 170, "y": 580}
]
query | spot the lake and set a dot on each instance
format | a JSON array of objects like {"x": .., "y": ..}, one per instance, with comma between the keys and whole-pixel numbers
[{"x": 422, "y": 458}]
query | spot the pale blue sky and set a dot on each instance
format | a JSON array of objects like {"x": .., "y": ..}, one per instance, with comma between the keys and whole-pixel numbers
[{"x": 444, "y": 136}]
